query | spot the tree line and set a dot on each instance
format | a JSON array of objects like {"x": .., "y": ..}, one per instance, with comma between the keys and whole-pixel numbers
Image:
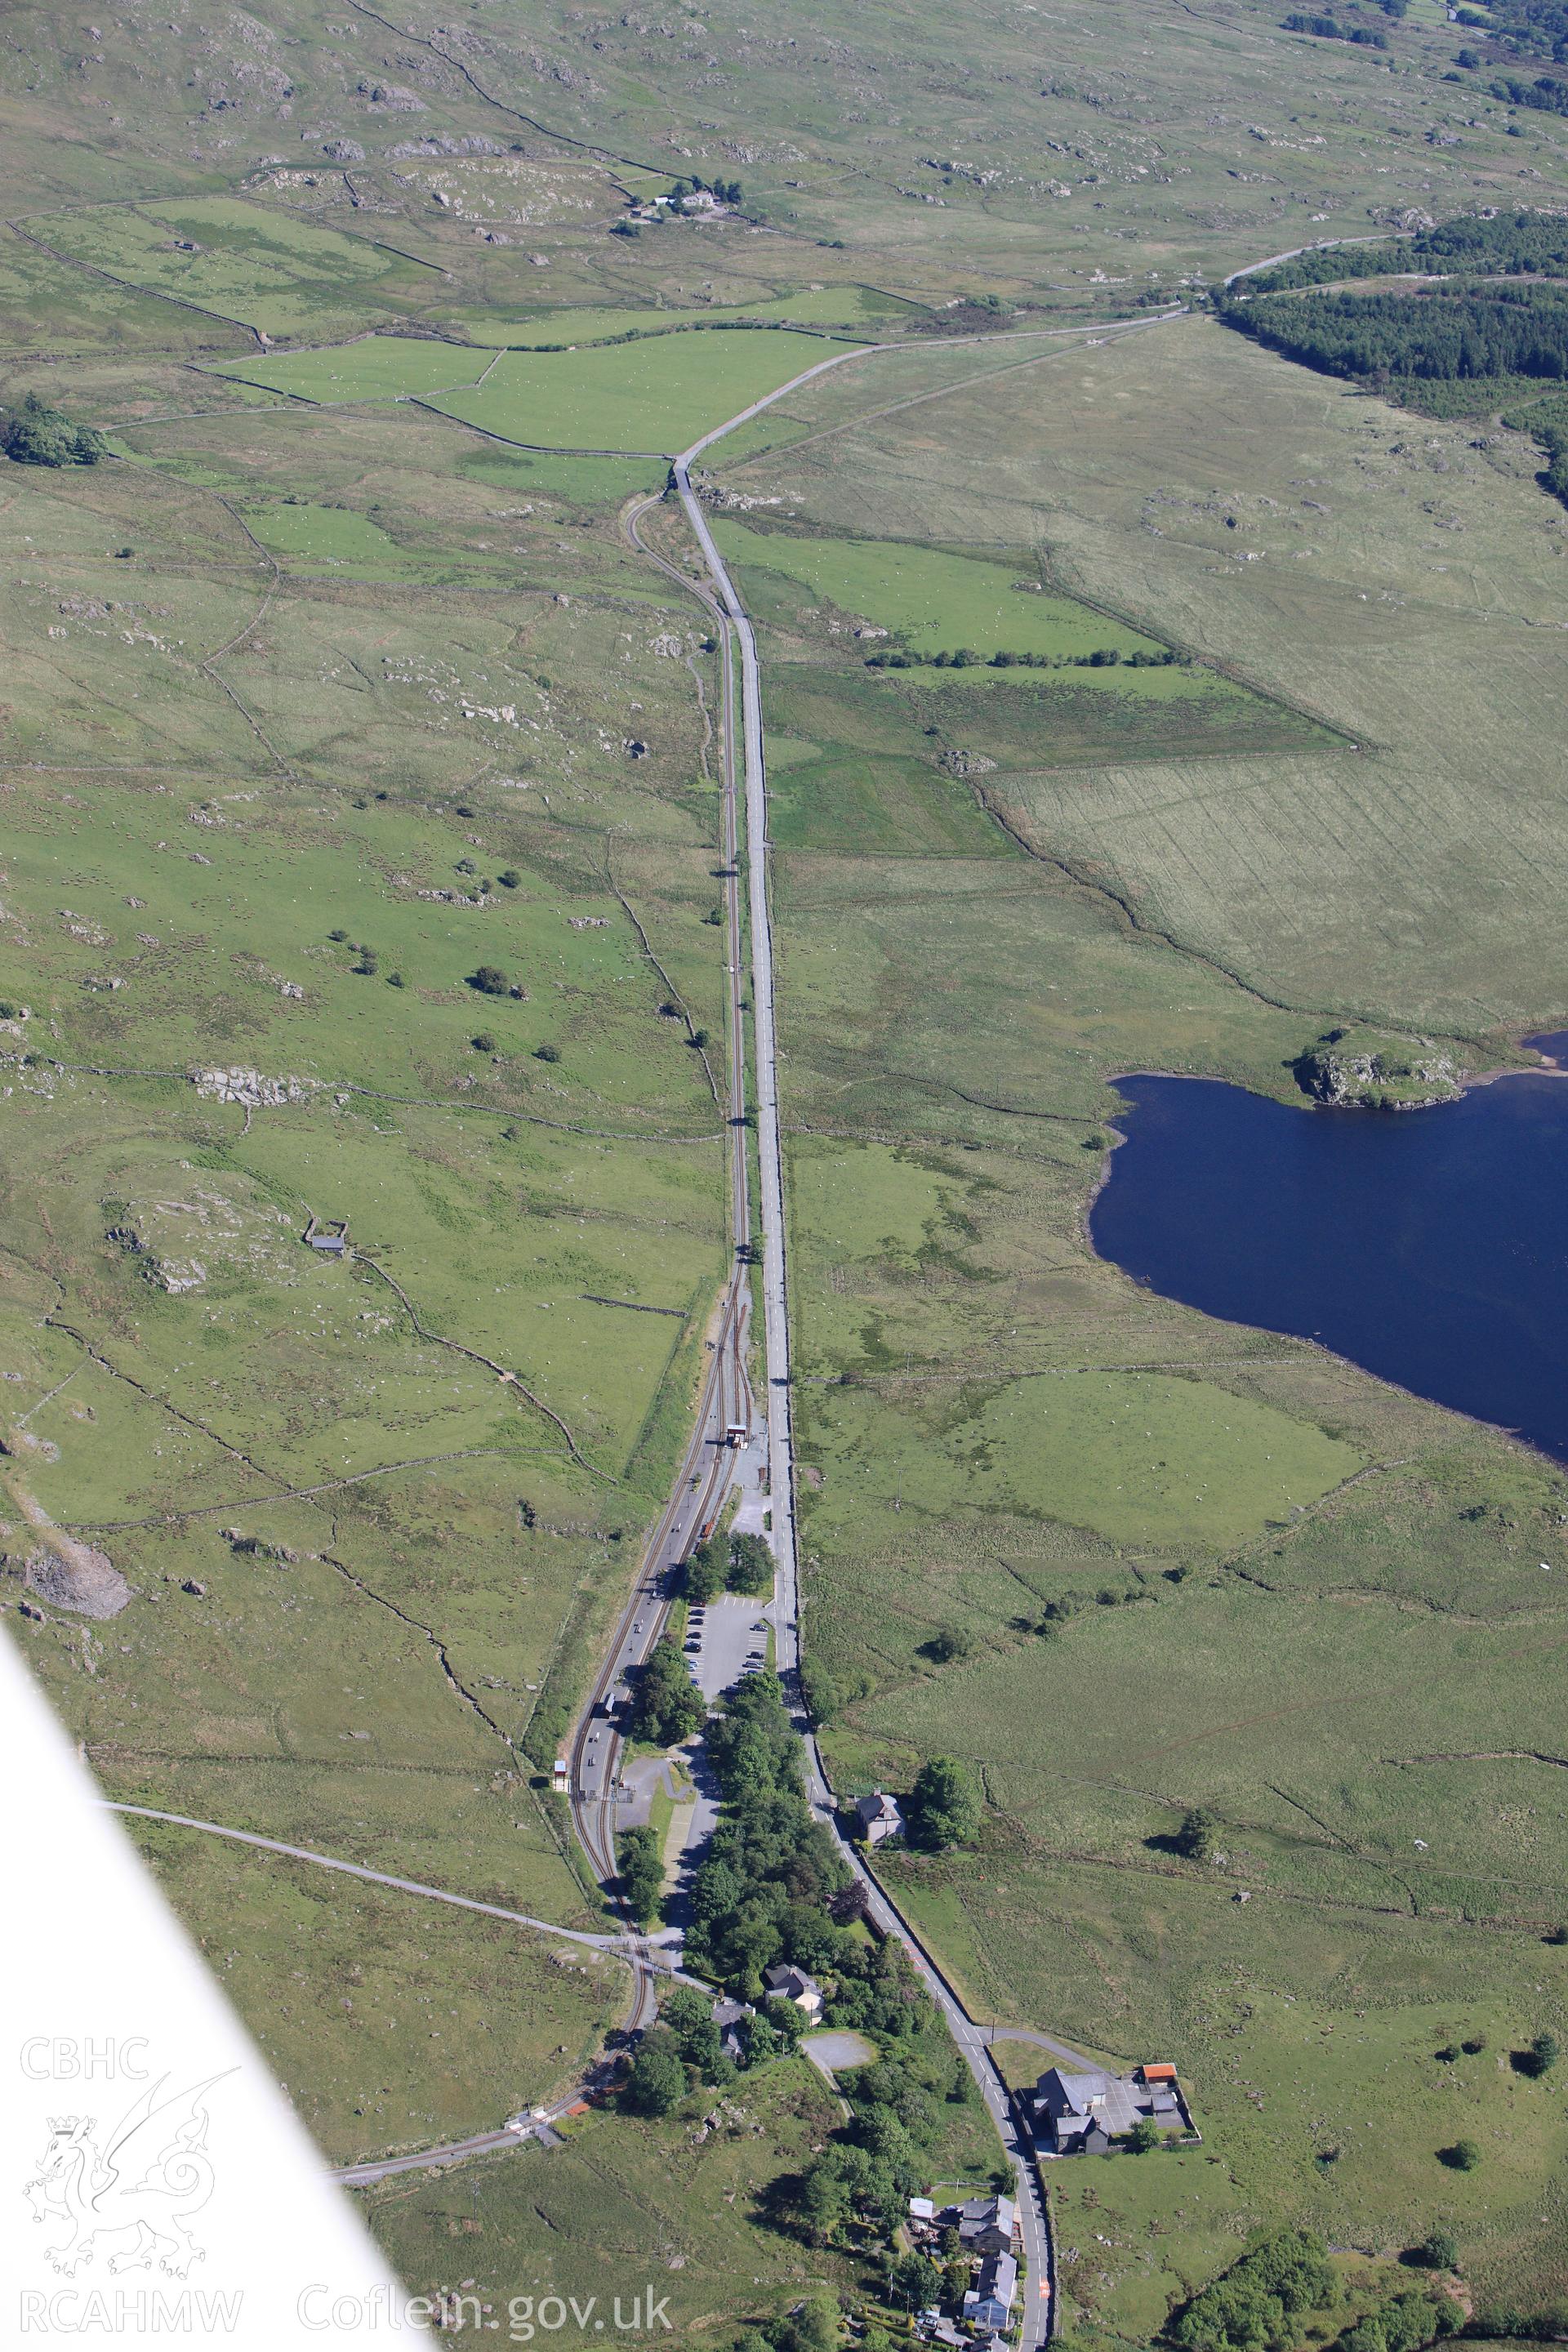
[
  {"x": 1329, "y": 28},
  {"x": 1546, "y": 421},
  {"x": 1444, "y": 335},
  {"x": 1514, "y": 244},
  {"x": 966, "y": 658}
]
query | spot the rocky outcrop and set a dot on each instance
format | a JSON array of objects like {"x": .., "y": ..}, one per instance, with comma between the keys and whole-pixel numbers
[
  {"x": 1360, "y": 1072},
  {"x": 78, "y": 1576},
  {"x": 252, "y": 1089}
]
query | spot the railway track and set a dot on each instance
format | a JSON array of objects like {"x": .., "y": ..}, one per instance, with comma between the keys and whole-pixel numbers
[{"x": 725, "y": 1402}]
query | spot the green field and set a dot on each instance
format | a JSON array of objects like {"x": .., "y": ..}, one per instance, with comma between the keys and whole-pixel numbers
[
  {"x": 336, "y": 1973},
  {"x": 813, "y": 306},
  {"x": 658, "y": 391},
  {"x": 933, "y": 601},
  {"x": 1137, "y": 1458},
  {"x": 376, "y": 367},
  {"x": 630, "y": 2208}
]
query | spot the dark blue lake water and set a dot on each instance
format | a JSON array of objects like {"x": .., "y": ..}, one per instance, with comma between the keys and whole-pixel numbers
[{"x": 1428, "y": 1245}]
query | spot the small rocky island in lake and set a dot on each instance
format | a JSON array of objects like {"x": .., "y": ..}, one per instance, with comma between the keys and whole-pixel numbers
[{"x": 1357, "y": 1068}]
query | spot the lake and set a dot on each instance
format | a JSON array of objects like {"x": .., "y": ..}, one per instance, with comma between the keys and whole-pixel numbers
[{"x": 1430, "y": 1246}]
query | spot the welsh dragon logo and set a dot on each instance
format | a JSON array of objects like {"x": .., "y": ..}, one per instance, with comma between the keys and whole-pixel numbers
[{"x": 130, "y": 2194}]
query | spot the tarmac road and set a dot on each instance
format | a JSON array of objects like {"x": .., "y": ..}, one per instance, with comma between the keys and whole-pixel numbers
[
  {"x": 707, "y": 1472},
  {"x": 972, "y": 2039}
]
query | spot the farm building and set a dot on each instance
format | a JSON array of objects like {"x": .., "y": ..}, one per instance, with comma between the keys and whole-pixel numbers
[
  {"x": 332, "y": 1237},
  {"x": 1080, "y": 2115}
]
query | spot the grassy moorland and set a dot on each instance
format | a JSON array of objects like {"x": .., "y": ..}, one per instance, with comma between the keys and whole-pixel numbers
[
  {"x": 676, "y": 2209},
  {"x": 335, "y": 1975},
  {"x": 317, "y": 701}
]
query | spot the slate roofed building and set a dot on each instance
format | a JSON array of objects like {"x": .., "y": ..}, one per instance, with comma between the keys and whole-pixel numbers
[
  {"x": 988, "y": 2225},
  {"x": 880, "y": 1816},
  {"x": 784, "y": 1983},
  {"x": 989, "y": 2302},
  {"x": 728, "y": 2016},
  {"x": 1080, "y": 2113}
]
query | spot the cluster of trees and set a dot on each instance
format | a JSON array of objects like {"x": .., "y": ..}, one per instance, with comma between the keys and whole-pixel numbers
[
  {"x": 1403, "y": 2324},
  {"x": 642, "y": 1874},
  {"x": 763, "y": 1890},
  {"x": 1514, "y": 244},
  {"x": 943, "y": 1807},
  {"x": 829, "y": 1690},
  {"x": 1448, "y": 334},
  {"x": 733, "y": 1563},
  {"x": 1329, "y": 28},
  {"x": 859, "y": 2187},
  {"x": 1282, "y": 2275},
  {"x": 1545, "y": 95},
  {"x": 684, "y": 2052},
  {"x": 489, "y": 980},
  {"x": 37, "y": 435},
  {"x": 1535, "y": 28},
  {"x": 966, "y": 658},
  {"x": 666, "y": 1705}
]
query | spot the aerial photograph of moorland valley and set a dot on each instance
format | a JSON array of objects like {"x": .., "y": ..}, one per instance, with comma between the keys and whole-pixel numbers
[{"x": 783, "y": 1010}]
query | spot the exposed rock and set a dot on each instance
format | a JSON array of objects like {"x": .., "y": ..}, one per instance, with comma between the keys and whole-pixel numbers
[
  {"x": 252, "y": 1091},
  {"x": 75, "y": 1576},
  {"x": 1354, "y": 1071},
  {"x": 395, "y": 96},
  {"x": 475, "y": 143}
]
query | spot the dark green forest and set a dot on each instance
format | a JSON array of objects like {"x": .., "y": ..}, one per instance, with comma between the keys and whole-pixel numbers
[{"x": 1440, "y": 335}]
